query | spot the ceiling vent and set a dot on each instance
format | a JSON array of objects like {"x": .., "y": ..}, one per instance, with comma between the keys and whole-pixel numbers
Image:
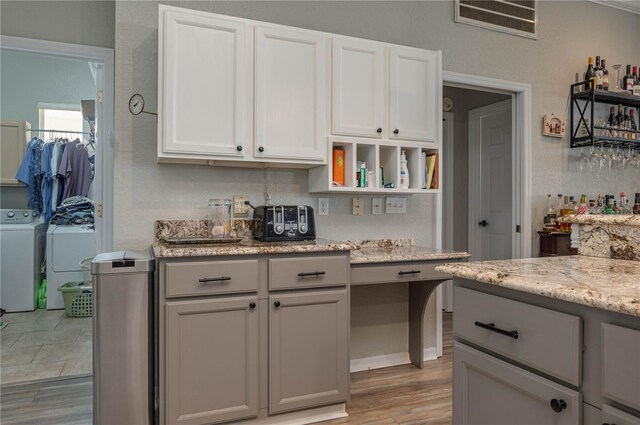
[{"x": 516, "y": 17}]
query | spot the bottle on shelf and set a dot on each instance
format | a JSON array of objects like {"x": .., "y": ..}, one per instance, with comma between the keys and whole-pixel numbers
[
  {"x": 632, "y": 125},
  {"x": 620, "y": 119},
  {"x": 593, "y": 206},
  {"x": 612, "y": 123},
  {"x": 636, "y": 205},
  {"x": 582, "y": 208},
  {"x": 636, "y": 82},
  {"x": 404, "y": 171},
  {"x": 567, "y": 209},
  {"x": 625, "y": 123},
  {"x": 550, "y": 216},
  {"x": 589, "y": 75},
  {"x": 627, "y": 80},
  {"x": 605, "y": 76},
  {"x": 598, "y": 74},
  {"x": 624, "y": 206},
  {"x": 608, "y": 208},
  {"x": 559, "y": 211}
]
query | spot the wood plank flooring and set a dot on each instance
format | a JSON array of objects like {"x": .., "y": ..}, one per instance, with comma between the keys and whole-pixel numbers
[{"x": 402, "y": 395}]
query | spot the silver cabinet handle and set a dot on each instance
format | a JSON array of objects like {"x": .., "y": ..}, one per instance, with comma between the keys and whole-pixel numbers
[{"x": 214, "y": 279}]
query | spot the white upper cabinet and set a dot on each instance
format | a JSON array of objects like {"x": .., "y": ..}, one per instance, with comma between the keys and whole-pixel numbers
[
  {"x": 290, "y": 94},
  {"x": 414, "y": 94},
  {"x": 203, "y": 80},
  {"x": 358, "y": 92}
]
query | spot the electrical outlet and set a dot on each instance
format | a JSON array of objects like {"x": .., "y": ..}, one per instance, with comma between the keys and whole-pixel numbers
[
  {"x": 323, "y": 206},
  {"x": 358, "y": 206},
  {"x": 396, "y": 205},
  {"x": 240, "y": 209},
  {"x": 376, "y": 206}
]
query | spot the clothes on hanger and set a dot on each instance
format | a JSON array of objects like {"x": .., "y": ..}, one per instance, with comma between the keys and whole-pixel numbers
[
  {"x": 76, "y": 169},
  {"x": 30, "y": 174},
  {"x": 47, "y": 180}
]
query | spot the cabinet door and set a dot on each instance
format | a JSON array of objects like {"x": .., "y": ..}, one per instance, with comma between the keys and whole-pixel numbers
[
  {"x": 358, "y": 88},
  {"x": 308, "y": 350},
  {"x": 211, "y": 360},
  {"x": 290, "y": 94},
  {"x": 203, "y": 68},
  {"x": 489, "y": 391},
  {"x": 13, "y": 143},
  {"x": 613, "y": 416},
  {"x": 414, "y": 76}
]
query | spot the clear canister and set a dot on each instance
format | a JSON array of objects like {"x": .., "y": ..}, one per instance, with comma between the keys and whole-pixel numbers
[{"x": 220, "y": 218}]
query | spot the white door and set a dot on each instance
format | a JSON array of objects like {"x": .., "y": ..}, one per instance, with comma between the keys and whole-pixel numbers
[
  {"x": 203, "y": 92},
  {"x": 290, "y": 96},
  {"x": 491, "y": 227},
  {"x": 358, "y": 88},
  {"x": 414, "y": 92}
]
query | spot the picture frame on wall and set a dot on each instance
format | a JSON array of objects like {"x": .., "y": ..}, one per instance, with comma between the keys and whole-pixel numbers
[{"x": 553, "y": 125}]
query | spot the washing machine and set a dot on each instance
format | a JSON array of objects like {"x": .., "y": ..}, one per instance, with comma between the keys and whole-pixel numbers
[
  {"x": 22, "y": 240},
  {"x": 66, "y": 246}
]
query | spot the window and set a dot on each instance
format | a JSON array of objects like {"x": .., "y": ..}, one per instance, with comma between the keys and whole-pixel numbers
[{"x": 60, "y": 117}]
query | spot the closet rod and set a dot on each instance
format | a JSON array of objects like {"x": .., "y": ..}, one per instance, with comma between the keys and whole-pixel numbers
[{"x": 57, "y": 131}]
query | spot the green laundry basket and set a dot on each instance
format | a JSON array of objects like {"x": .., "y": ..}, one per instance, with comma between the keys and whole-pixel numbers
[{"x": 77, "y": 299}]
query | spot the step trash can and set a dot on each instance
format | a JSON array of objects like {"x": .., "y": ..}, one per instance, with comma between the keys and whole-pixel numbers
[{"x": 123, "y": 338}]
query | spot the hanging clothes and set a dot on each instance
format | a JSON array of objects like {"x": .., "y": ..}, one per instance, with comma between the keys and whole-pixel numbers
[
  {"x": 58, "y": 182},
  {"x": 76, "y": 169},
  {"x": 30, "y": 174},
  {"x": 47, "y": 180}
]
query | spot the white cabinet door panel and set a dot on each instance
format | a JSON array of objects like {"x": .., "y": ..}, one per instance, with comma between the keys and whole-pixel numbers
[
  {"x": 204, "y": 85},
  {"x": 358, "y": 88},
  {"x": 290, "y": 94},
  {"x": 413, "y": 86}
]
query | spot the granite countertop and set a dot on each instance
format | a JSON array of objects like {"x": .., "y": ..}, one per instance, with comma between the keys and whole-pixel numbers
[
  {"x": 368, "y": 255},
  {"x": 625, "y": 220},
  {"x": 603, "y": 283}
]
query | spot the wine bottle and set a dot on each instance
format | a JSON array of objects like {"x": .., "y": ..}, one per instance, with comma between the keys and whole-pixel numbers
[
  {"x": 620, "y": 116},
  {"x": 589, "y": 75},
  {"x": 627, "y": 81},
  {"x": 605, "y": 76},
  {"x": 597, "y": 72},
  {"x": 633, "y": 125},
  {"x": 636, "y": 82},
  {"x": 612, "y": 123}
]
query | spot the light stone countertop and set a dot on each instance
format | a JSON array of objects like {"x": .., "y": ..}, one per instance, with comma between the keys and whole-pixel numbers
[
  {"x": 604, "y": 283},
  {"x": 624, "y": 220},
  {"x": 368, "y": 255}
]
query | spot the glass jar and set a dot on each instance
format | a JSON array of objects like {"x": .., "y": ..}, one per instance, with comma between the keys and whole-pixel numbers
[{"x": 220, "y": 218}]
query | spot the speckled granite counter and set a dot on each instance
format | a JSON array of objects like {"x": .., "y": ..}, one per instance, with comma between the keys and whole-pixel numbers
[
  {"x": 603, "y": 283},
  {"x": 367, "y": 255},
  {"x": 624, "y": 220}
]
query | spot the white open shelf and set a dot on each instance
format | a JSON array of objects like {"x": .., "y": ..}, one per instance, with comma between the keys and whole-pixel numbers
[{"x": 376, "y": 154}]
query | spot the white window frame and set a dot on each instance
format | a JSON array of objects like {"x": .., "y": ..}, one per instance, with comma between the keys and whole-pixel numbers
[{"x": 42, "y": 106}]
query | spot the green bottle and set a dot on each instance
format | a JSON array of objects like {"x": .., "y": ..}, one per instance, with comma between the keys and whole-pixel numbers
[
  {"x": 608, "y": 209},
  {"x": 42, "y": 295}
]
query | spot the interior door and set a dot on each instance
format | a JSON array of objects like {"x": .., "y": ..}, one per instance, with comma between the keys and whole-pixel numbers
[
  {"x": 490, "y": 182},
  {"x": 358, "y": 88}
]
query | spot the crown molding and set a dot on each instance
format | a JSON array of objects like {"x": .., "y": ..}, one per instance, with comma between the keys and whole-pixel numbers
[{"x": 632, "y": 6}]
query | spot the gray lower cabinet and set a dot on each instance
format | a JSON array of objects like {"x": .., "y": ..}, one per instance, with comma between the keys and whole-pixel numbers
[
  {"x": 308, "y": 349},
  {"x": 613, "y": 416},
  {"x": 487, "y": 390},
  {"x": 212, "y": 358}
]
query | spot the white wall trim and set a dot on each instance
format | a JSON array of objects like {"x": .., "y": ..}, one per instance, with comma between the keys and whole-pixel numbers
[
  {"x": 104, "y": 131},
  {"x": 319, "y": 414},
  {"x": 626, "y": 5},
  {"x": 393, "y": 359},
  {"x": 522, "y": 148},
  {"x": 447, "y": 195}
]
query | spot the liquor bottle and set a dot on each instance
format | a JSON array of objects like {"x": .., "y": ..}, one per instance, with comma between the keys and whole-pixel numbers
[
  {"x": 550, "y": 216},
  {"x": 612, "y": 122},
  {"x": 627, "y": 80},
  {"x": 636, "y": 82},
  {"x": 636, "y": 206},
  {"x": 559, "y": 211},
  {"x": 567, "y": 209},
  {"x": 624, "y": 204},
  {"x": 620, "y": 116},
  {"x": 599, "y": 205},
  {"x": 605, "y": 76},
  {"x": 582, "y": 208},
  {"x": 608, "y": 209},
  {"x": 625, "y": 124},
  {"x": 592, "y": 206},
  {"x": 632, "y": 125},
  {"x": 597, "y": 72},
  {"x": 589, "y": 75}
]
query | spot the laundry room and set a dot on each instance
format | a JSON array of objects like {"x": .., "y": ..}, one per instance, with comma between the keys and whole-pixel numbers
[{"x": 49, "y": 105}]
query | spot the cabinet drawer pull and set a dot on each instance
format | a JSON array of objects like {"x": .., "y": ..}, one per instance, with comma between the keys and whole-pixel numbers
[
  {"x": 558, "y": 405},
  {"x": 492, "y": 327},
  {"x": 311, "y": 274},
  {"x": 214, "y": 279},
  {"x": 409, "y": 272}
]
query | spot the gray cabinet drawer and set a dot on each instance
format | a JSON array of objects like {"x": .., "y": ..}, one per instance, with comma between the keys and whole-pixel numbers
[
  {"x": 377, "y": 273},
  {"x": 621, "y": 364},
  {"x": 211, "y": 278},
  {"x": 489, "y": 391},
  {"x": 611, "y": 415},
  {"x": 547, "y": 340},
  {"x": 308, "y": 272}
]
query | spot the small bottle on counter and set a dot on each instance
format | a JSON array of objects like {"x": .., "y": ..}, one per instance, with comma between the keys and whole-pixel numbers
[
  {"x": 608, "y": 209},
  {"x": 636, "y": 206}
]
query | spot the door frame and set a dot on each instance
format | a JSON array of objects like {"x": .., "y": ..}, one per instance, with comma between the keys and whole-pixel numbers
[
  {"x": 475, "y": 172},
  {"x": 104, "y": 116},
  {"x": 521, "y": 152},
  {"x": 448, "y": 123}
]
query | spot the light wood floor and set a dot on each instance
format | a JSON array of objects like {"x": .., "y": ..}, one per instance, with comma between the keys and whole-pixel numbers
[{"x": 395, "y": 395}]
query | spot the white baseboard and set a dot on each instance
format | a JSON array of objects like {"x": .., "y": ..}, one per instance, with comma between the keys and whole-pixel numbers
[
  {"x": 387, "y": 360},
  {"x": 309, "y": 416}
]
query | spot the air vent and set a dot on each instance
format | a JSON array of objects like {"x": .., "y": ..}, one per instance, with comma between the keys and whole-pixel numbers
[{"x": 516, "y": 17}]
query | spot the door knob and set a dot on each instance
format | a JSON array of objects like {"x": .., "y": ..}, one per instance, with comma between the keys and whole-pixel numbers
[
  {"x": 379, "y": 130},
  {"x": 558, "y": 405},
  {"x": 483, "y": 223}
]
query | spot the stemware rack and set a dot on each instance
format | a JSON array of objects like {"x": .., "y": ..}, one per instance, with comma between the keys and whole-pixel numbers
[{"x": 584, "y": 132}]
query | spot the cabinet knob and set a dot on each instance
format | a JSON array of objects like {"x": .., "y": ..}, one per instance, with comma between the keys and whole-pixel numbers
[
  {"x": 558, "y": 405},
  {"x": 379, "y": 130},
  {"x": 276, "y": 303},
  {"x": 260, "y": 149},
  {"x": 252, "y": 305},
  {"x": 396, "y": 131},
  {"x": 238, "y": 148}
]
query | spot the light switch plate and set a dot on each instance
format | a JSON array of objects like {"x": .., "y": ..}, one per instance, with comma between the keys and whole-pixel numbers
[
  {"x": 376, "y": 206},
  {"x": 358, "y": 206},
  {"x": 323, "y": 206},
  {"x": 396, "y": 205},
  {"x": 240, "y": 209}
]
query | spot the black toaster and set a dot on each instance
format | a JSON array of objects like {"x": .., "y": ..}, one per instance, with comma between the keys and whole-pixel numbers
[{"x": 279, "y": 223}]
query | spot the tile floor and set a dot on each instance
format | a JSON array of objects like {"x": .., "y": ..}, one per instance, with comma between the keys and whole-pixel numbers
[{"x": 44, "y": 344}]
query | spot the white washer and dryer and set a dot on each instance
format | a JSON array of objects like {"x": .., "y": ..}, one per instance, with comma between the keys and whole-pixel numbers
[
  {"x": 67, "y": 245},
  {"x": 22, "y": 247}
]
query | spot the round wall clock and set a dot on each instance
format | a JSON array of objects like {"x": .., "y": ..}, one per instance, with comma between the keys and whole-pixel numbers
[
  {"x": 136, "y": 104},
  {"x": 447, "y": 104}
]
